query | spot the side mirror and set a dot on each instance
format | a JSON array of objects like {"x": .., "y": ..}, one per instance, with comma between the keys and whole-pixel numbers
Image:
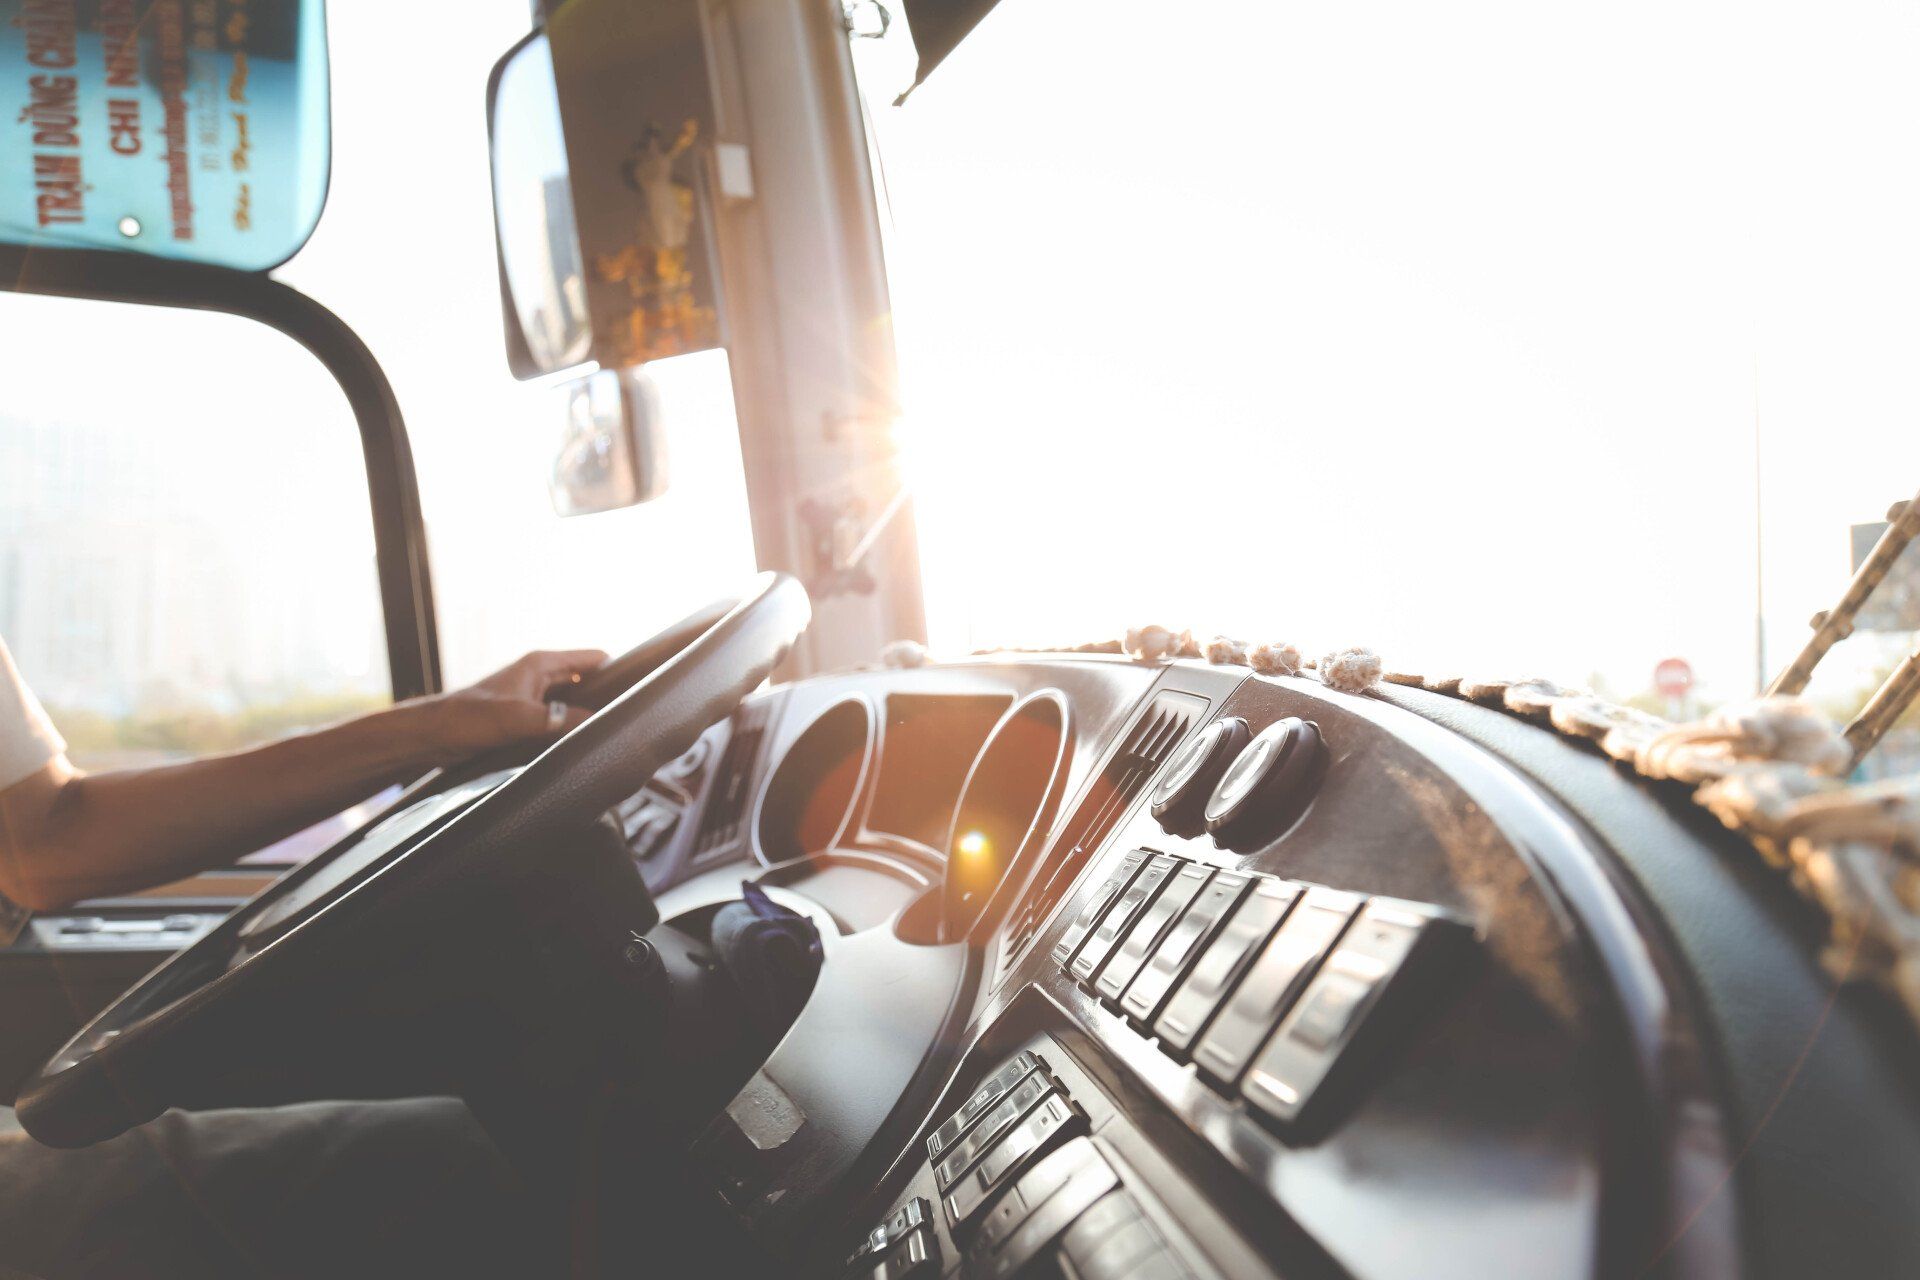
[
  {"x": 613, "y": 447},
  {"x": 601, "y": 127}
]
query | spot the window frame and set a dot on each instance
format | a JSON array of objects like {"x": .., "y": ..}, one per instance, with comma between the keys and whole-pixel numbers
[{"x": 393, "y": 493}]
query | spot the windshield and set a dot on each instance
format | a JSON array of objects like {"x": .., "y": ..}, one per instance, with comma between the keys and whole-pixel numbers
[
  {"x": 1344, "y": 325},
  {"x": 260, "y": 457},
  {"x": 508, "y": 574}
]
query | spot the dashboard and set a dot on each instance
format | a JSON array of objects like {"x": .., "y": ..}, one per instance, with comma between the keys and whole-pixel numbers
[{"x": 1171, "y": 969}]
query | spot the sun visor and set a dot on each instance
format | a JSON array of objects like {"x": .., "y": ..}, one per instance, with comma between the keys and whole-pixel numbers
[{"x": 938, "y": 28}]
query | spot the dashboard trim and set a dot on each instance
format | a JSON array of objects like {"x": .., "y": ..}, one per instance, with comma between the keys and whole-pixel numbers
[
  {"x": 1039, "y": 828},
  {"x": 1573, "y": 868},
  {"x": 855, "y": 806}
]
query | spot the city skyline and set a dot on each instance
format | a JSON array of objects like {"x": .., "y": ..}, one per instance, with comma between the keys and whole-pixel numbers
[{"x": 128, "y": 579}]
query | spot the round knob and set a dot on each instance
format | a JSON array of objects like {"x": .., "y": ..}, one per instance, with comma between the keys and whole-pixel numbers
[
  {"x": 689, "y": 762},
  {"x": 1268, "y": 785},
  {"x": 1179, "y": 799}
]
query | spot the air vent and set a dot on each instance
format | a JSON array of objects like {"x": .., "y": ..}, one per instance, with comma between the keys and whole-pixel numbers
[
  {"x": 726, "y": 809},
  {"x": 1167, "y": 720}
]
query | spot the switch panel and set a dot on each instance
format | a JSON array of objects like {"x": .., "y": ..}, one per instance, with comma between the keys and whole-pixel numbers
[
  {"x": 1075, "y": 1165},
  {"x": 1377, "y": 952},
  {"x": 1049, "y": 1220},
  {"x": 1114, "y": 1241},
  {"x": 1149, "y": 929},
  {"x": 1052, "y": 1120},
  {"x": 914, "y": 1213},
  {"x": 990, "y": 1092},
  {"x": 962, "y": 1155},
  {"x": 1125, "y": 911},
  {"x": 1027, "y": 1138},
  {"x": 1220, "y": 967},
  {"x": 1097, "y": 903},
  {"x": 917, "y": 1257},
  {"x": 1272, "y": 982},
  {"x": 1044, "y": 1197},
  {"x": 1187, "y": 939}
]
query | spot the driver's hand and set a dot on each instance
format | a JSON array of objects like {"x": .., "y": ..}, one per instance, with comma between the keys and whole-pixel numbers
[{"x": 509, "y": 706}]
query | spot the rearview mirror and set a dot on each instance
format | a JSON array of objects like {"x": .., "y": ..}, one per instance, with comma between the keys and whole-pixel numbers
[
  {"x": 601, "y": 126},
  {"x": 613, "y": 448}
]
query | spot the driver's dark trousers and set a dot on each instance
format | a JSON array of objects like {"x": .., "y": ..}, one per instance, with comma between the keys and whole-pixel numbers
[{"x": 324, "y": 1189}]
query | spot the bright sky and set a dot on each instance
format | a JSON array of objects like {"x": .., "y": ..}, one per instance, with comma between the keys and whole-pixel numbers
[
  {"x": 405, "y": 253},
  {"x": 218, "y": 541},
  {"x": 1440, "y": 329},
  {"x": 1437, "y": 328}
]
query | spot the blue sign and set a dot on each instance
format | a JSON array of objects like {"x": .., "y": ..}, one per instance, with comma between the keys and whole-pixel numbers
[{"x": 190, "y": 129}]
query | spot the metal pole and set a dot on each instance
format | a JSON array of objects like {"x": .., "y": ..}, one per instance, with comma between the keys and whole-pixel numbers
[
  {"x": 1886, "y": 705},
  {"x": 1836, "y": 624}
]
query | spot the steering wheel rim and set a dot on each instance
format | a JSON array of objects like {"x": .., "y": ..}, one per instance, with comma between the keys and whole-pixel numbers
[{"x": 139, "y": 1056}]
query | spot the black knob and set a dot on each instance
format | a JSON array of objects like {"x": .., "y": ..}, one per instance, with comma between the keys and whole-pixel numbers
[
  {"x": 1179, "y": 799},
  {"x": 1268, "y": 785}
]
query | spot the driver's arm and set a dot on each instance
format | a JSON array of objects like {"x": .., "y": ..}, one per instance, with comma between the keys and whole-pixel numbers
[{"x": 67, "y": 835}]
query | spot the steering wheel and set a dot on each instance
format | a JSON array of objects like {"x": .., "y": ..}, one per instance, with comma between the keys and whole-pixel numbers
[{"x": 314, "y": 958}]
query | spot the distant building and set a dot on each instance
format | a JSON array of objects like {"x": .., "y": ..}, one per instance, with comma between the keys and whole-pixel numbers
[{"x": 118, "y": 590}]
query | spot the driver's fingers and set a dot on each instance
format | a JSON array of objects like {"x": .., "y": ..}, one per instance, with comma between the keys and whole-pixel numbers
[
  {"x": 529, "y": 719},
  {"x": 574, "y": 660},
  {"x": 564, "y": 666}
]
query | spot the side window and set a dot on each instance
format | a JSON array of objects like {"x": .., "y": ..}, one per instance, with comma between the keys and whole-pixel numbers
[{"x": 186, "y": 551}]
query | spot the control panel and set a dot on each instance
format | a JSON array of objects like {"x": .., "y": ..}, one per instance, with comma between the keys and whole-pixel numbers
[
  {"x": 1241, "y": 788},
  {"x": 1027, "y": 1184},
  {"x": 651, "y": 816},
  {"x": 1263, "y": 984},
  {"x": 1288, "y": 971}
]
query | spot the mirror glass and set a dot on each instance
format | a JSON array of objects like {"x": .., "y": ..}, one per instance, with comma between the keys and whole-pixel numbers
[
  {"x": 542, "y": 278},
  {"x": 602, "y": 136},
  {"x": 613, "y": 449},
  {"x": 190, "y": 131}
]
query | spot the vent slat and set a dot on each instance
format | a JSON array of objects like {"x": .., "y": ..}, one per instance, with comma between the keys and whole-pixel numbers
[{"x": 1145, "y": 748}]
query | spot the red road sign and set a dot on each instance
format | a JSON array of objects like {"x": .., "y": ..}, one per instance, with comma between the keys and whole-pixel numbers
[{"x": 1673, "y": 677}]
